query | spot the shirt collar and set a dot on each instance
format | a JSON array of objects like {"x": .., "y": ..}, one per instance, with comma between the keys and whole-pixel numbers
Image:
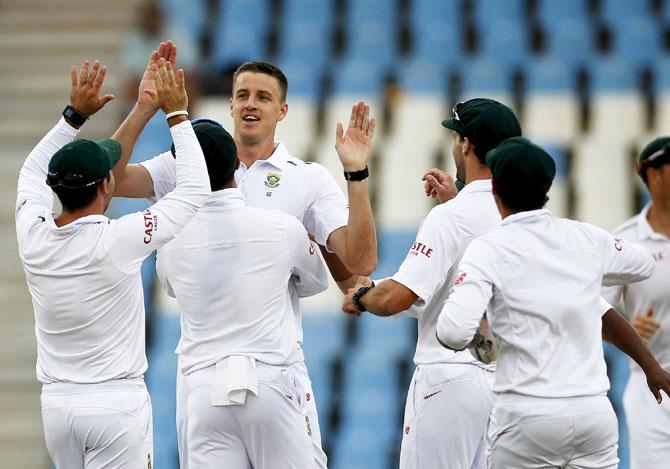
[
  {"x": 478, "y": 185},
  {"x": 644, "y": 229},
  {"x": 278, "y": 158},
  {"x": 529, "y": 215},
  {"x": 232, "y": 197},
  {"x": 80, "y": 221}
]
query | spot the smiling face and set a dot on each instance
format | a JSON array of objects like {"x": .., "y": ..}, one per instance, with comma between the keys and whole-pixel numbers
[{"x": 257, "y": 106}]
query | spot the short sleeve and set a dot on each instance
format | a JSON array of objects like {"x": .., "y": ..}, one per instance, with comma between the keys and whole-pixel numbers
[
  {"x": 432, "y": 254},
  {"x": 327, "y": 209},
  {"x": 162, "y": 169},
  {"x": 624, "y": 261}
]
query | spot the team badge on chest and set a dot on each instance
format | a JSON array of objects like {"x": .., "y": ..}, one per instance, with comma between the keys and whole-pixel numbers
[{"x": 272, "y": 180}]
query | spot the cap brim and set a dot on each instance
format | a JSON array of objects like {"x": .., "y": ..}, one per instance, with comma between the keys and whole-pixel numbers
[
  {"x": 113, "y": 150},
  {"x": 453, "y": 124}
]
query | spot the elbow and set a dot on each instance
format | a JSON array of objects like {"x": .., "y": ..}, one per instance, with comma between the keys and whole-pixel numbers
[{"x": 364, "y": 265}]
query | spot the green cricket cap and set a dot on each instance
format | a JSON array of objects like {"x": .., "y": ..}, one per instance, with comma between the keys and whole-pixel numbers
[
  {"x": 217, "y": 145},
  {"x": 485, "y": 122},
  {"x": 520, "y": 164},
  {"x": 655, "y": 154},
  {"x": 82, "y": 163}
]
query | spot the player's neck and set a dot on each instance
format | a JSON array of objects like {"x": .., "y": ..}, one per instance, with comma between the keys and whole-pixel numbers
[
  {"x": 66, "y": 217},
  {"x": 248, "y": 153},
  {"x": 475, "y": 171},
  {"x": 659, "y": 218}
]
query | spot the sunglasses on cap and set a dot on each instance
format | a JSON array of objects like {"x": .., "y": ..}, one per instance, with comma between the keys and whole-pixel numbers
[
  {"x": 655, "y": 160},
  {"x": 70, "y": 181}
]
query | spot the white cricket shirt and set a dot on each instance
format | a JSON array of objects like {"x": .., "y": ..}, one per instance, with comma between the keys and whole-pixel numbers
[
  {"x": 430, "y": 266},
  {"x": 654, "y": 291},
  {"x": 305, "y": 190},
  {"x": 84, "y": 277},
  {"x": 232, "y": 270},
  {"x": 541, "y": 278}
]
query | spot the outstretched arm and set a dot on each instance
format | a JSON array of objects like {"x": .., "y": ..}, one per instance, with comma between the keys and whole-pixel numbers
[
  {"x": 133, "y": 180},
  {"x": 356, "y": 243},
  {"x": 619, "y": 332},
  {"x": 386, "y": 299},
  {"x": 85, "y": 98}
]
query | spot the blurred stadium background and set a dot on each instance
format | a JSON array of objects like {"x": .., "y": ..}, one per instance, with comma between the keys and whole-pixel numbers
[{"x": 589, "y": 79}]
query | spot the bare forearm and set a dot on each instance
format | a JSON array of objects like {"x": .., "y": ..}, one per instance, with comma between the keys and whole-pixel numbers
[
  {"x": 620, "y": 333},
  {"x": 388, "y": 298},
  {"x": 127, "y": 134},
  {"x": 361, "y": 238}
]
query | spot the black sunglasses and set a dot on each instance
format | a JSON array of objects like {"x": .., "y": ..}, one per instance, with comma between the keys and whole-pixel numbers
[{"x": 69, "y": 181}]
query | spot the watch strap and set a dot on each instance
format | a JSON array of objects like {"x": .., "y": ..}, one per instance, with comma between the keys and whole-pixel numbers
[
  {"x": 357, "y": 175},
  {"x": 74, "y": 116}
]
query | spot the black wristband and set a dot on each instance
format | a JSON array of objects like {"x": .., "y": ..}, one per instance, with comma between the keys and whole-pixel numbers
[
  {"x": 74, "y": 116},
  {"x": 357, "y": 175},
  {"x": 356, "y": 298}
]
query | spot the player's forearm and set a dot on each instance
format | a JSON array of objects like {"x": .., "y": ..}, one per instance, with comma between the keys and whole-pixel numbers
[
  {"x": 361, "y": 238},
  {"x": 388, "y": 299},
  {"x": 620, "y": 333},
  {"x": 127, "y": 134}
]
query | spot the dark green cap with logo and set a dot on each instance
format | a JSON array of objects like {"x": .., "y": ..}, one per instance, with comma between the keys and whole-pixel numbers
[
  {"x": 655, "y": 154},
  {"x": 521, "y": 165},
  {"x": 82, "y": 163},
  {"x": 218, "y": 147},
  {"x": 485, "y": 122}
]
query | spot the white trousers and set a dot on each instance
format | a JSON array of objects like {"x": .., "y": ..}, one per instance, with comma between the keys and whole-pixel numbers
[
  {"x": 648, "y": 424},
  {"x": 267, "y": 432},
  {"x": 308, "y": 402},
  {"x": 106, "y": 425},
  {"x": 446, "y": 412},
  {"x": 534, "y": 433}
]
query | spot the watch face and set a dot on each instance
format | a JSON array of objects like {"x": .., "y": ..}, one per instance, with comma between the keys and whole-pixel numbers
[{"x": 75, "y": 116}]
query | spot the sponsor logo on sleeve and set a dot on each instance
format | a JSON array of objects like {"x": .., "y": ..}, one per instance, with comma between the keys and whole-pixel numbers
[
  {"x": 150, "y": 224},
  {"x": 311, "y": 249},
  {"x": 658, "y": 256},
  {"x": 420, "y": 248},
  {"x": 618, "y": 244}
]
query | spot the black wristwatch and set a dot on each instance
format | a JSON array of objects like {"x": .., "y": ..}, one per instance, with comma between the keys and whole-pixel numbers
[
  {"x": 356, "y": 298},
  {"x": 356, "y": 175},
  {"x": 74, "y": 116}
]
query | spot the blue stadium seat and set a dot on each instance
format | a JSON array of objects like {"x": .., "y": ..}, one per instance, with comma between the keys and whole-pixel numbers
[
  {"x": 306, "y": 31},
  {"x": 357, "y": 77},
  {"x": 421, "y": 76},
  {"x": 393, "y": 248},
  {"x": 241, "y": 32},
  {"x": 613, "y": 74},
  {"x": 570, "y": 39},
  {"x": 189, "y": 17},
  {"x": 550, "y": 10},
  {"x": 637, "y": 40},
  {"x": 618, "y": 12},
  {"x": 489, "y": 12},
  {"x": 548, "y": 74},
  {"x": 304, "y": 78},
  {"x": 662, "y": 74},
  {"x": 371, "y": 31},
  {"x": 386, "y": 337},
  {"x": 504, "y": 41},
  {"x": 483, "y": 76},
  {"x": 560, "y": 158},
  {"x": 437, "y": 31},
  {"x": 360, "y": 448}
]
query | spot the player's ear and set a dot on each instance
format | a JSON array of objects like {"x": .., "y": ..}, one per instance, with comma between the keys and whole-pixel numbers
[{"x": 283, "y": 110}]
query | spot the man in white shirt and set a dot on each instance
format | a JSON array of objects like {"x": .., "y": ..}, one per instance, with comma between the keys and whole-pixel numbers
[
  {"x": 269, "y": 177},
  {"x": 83, "y": 272},
  {"x": 539, "y": 280},
  {"x": 648, "y": 304},
  {"x": 447, "y": 386},
  {"x": 232, "y": 270}
]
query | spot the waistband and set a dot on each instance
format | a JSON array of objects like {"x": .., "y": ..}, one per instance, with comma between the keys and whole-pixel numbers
[{"x": 133, "y": 384}]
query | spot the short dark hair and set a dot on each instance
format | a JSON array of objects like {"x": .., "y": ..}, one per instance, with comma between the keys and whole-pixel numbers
[
  {"x": 75, "y": 199},
  {"x": 219, "y": 175},
  {"x": 518, "y": 199},
  {"x": 267, "y": 68}
]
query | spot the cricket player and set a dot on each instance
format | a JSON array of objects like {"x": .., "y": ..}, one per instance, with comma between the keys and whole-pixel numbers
[
  {"x": 648, "y": 304},
  {"x": 447, "y": 386},
  {"x": 270, "y": 177},
  {"x": 243, "y": 401},
  {"x": 539, "y": 279},
  {"x": 83, "y": 272}
]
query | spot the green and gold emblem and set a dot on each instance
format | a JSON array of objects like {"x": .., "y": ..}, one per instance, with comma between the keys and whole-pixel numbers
[{"x": 272, "y": 180}]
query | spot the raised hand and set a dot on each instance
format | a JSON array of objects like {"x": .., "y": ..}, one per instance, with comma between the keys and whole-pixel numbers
[
  {"x": 170, "y": 89},
  {"x": 646, "y": 325},
  {"x": 146, "y": 97},
  {"x": 439, "y": 184},
  {"x": 85, "y": 95},
  {"x": 355, "y": 146}
]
